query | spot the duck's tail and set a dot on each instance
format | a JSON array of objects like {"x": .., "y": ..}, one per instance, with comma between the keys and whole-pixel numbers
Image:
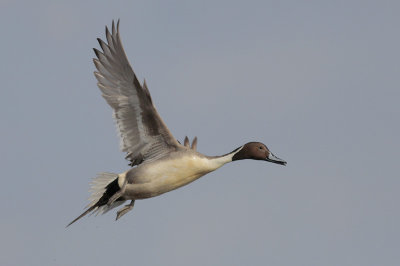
[{"x": 103, "y": 187}]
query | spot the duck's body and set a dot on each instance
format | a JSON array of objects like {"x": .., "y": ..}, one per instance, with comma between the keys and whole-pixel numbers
[
  {"x": 174, "y": 171},
  {"x": 160, "y": 163}
]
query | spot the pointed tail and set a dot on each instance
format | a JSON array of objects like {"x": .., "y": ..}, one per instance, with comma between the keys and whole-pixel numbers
[
  {"x": 83, "y": 214},
  {"x": 103, "y": 187}
]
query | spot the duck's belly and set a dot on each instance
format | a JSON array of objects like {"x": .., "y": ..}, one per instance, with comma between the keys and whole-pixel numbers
[{"x": 153, "y": 179}]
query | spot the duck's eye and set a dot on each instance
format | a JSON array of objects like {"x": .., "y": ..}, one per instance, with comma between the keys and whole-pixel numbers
[{"x": 260, "y": 147}]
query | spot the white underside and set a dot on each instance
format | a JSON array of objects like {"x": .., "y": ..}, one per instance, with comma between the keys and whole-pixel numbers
[{"x": 166, "y": 175}]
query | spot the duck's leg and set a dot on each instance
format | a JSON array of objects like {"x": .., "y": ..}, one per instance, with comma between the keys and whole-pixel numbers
[
  {"x": 125, "y": 209},
  {"x": 118, "y": 194}
]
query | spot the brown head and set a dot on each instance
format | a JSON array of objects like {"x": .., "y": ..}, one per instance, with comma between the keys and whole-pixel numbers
[{"x": 256, "y": 151}]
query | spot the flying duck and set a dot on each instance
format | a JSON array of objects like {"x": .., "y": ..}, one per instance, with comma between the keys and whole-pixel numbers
[{"x": 160, "y": 163}]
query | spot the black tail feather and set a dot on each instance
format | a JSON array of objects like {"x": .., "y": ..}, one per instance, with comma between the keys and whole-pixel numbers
[{"x": 111, "y": 189}]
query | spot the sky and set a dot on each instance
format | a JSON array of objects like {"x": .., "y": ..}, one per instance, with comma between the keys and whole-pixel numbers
[{"x": 316, "y": 81}]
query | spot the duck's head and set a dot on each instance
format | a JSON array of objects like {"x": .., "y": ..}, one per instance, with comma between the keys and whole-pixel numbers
[{"x": 256, "y": 151}]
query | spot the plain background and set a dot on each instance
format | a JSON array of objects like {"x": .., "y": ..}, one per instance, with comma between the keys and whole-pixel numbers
[{"x": 316, "y": 81}]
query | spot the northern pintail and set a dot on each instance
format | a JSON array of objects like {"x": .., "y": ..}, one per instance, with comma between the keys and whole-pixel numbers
[{"x": 160, "y": 163}]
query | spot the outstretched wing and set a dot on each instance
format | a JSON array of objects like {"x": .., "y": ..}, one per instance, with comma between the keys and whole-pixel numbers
[{"x": 144, "y": 136}]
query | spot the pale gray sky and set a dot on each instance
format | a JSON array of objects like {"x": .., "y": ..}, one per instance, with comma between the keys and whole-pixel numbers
[{"x": 317, "y": 81}]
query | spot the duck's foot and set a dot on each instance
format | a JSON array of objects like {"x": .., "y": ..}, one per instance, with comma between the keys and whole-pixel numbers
[{"x": 125, "y": 209}]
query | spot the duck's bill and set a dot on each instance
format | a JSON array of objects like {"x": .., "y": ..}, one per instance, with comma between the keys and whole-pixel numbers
[{"x": 273, "y": 159}]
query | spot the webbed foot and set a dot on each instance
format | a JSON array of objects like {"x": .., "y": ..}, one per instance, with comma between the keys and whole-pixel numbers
[{"x": 125, "y": 209}]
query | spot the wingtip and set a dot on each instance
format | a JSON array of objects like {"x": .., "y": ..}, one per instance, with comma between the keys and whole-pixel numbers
[
  {"x": 97, "y": 52},
  {"x": 107, "y": 32},
  {"x": 113, "y": 27},
  {"x": 186, "y": 142},
  {"x": 194, "y": 144}
]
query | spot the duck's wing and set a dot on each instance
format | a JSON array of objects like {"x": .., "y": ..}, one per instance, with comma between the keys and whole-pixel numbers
[
  {"x": 186, "y": 142},
  {"x": 194, "y": 144},
  {"x": 144, "y": 135}
]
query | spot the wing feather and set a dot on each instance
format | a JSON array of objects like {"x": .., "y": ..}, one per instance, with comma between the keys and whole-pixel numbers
[{"x": 144, "y": 136}]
